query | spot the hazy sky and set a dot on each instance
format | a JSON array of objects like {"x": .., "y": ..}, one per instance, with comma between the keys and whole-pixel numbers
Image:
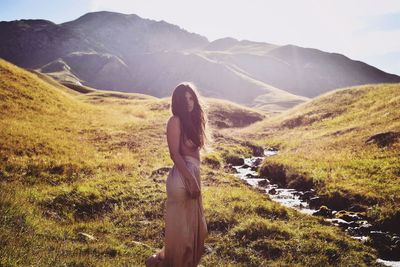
[{"x": 366, "y": 30}]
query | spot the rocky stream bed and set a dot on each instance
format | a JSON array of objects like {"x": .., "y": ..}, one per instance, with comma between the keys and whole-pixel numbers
[{"x": 352, "y": 222}]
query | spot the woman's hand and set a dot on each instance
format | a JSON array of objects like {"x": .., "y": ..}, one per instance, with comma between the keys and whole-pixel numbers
[{"x": 193, "y": 188}]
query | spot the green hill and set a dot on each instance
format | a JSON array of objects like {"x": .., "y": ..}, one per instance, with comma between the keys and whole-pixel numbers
[
  {"x": 82, "y": 182},
  {"x": 346, "y": 144}
]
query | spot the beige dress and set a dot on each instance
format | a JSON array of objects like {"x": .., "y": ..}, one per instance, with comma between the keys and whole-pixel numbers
[{"x": 185, "y": 224}]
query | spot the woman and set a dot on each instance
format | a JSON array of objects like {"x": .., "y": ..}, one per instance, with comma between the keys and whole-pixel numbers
[{"x": 185, "y": 225}]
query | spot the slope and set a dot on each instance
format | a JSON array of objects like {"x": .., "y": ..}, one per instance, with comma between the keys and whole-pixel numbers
[
  {"x": 346, "y": 144},
  {"x": 82, "y": 182}
]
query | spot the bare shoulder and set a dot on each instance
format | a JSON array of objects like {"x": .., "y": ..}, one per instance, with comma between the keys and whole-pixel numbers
[
  {"x": 174, "y": 121},
  {"x": 173, "y": 128}
]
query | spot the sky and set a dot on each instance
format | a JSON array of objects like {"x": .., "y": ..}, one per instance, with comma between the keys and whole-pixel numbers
[{"x": 365, "y": 30}]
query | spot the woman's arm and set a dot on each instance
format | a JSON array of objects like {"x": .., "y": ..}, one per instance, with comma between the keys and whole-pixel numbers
[{"x": 173, "y": 138}]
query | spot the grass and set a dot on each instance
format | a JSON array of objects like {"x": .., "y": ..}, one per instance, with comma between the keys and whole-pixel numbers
[
  {"x": 232, "y": 115},
  {"x": 324, "y": 141},
  {"x": 84, "y": 161}
]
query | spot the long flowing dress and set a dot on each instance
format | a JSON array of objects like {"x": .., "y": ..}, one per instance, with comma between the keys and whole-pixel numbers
[{"x": 185, "y": 224}]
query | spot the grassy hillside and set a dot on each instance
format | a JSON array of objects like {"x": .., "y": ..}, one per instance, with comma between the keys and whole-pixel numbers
[
  {"x": 347, "y": 144},
  {"x": 82, "y": 182}
]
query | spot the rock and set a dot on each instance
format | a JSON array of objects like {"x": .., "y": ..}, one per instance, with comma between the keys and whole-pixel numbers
[
  {"x": 85, "y": 237},
  {"x": 254, "y": 168},
  {"x": 340, "y": 222},
  {"x": 315, "y": 202},
  {"x": 250, "y": 175},
  {"x": 348, "y": 216},
  {"x": 245, "y": 166},
  {"x": 353, "y": 224},
  {"x": 385, "y": 245},
  {"x": 272, "y": 191},
  {"x": 305, "y": 196},
  {"x": 257, "y": 162},
  {"x": 380, "y": 236},
  {"x": 263, "y": 183},
  {"x": 270, "y": 152},
  {"x": 323, "y": 211},
  {"x": 298, "y": 193},
  {"x": 363, "y": 228}
]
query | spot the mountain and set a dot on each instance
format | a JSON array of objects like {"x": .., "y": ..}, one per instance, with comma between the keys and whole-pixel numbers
[
  {"x": 126, "y": 35},
  {"x": 300, "y": 71},
  {"x": 114, "y": 51}
]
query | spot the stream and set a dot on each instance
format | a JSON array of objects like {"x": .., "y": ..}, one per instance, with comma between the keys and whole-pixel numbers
[{"x": 353, "y": 224}]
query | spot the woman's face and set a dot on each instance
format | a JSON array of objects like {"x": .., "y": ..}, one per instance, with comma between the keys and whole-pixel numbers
[{"x": 189, "y": 101}]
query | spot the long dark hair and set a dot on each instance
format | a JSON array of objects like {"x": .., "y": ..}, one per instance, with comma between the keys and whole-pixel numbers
[{"x": 192, "y": 123}]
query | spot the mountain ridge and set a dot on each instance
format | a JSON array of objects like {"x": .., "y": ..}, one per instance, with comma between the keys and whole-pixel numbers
[{"x": 133, "y": 54}]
